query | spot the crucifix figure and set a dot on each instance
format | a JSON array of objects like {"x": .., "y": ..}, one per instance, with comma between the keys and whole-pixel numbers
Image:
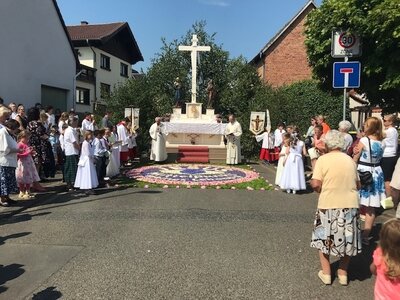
[
  {"x": 194, "y": 48},
  {"x": 257, "y": 122}
]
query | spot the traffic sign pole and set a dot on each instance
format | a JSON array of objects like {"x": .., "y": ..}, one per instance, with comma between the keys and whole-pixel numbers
[{"x": 346, "y": 84}]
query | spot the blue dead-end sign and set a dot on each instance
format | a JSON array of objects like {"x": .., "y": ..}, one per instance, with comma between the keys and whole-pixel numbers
[{"x": 346, "y": 74}]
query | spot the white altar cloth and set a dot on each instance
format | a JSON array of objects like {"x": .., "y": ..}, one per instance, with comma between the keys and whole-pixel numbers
[{"x": 197, "y": 128}]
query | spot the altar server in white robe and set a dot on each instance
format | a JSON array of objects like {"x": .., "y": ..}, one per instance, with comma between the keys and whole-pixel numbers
[
  {"x": 233, "y": 133},
  {"x": 123, "y": 137},
  {"x": 158, "y": 140},
  {"x": 86, "y": 176}
]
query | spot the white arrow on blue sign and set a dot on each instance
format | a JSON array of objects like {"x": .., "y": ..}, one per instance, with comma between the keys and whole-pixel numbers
[{"x": 346, "y": 74}]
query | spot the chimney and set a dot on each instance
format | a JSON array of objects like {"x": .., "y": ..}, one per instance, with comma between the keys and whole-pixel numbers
[{"x": 84, "y": 22}]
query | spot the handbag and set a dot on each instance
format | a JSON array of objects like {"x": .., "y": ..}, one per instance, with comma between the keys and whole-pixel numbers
[
  {"x": 387, "y": 203},
  {"x": 366, "y": 179}
]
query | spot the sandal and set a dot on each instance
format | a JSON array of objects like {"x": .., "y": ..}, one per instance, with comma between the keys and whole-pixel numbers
[{"x": 4, "y": 204}]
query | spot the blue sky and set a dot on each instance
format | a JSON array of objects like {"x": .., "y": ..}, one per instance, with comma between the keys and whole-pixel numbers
[{"x": 243, "y": 27}]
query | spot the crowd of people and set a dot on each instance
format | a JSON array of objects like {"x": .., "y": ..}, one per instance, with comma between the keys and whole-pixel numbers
[
  {"x": 353, "y": 178},
  {"x": 352, "y": 175},
  {"x": 34, "y": 144}
]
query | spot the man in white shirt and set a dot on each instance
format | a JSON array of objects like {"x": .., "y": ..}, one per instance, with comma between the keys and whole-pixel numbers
[
  {"x": 13, "y": 108},
  {"x": 71, "y": 149}
]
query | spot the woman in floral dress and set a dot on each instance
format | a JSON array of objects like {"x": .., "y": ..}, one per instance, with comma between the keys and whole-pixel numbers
[
  {"x": 39, "y": 142},
  {"x": 369, "y": 152}
]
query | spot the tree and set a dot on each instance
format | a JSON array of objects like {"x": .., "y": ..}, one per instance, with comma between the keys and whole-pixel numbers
[{"x": 378, "y": 24}]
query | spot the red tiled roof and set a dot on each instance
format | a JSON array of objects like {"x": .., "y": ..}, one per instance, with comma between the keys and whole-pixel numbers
[{"x": 93, "y": 32}]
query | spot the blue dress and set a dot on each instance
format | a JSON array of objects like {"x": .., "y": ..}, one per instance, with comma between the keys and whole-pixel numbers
[{"x": 372, "y": 196}]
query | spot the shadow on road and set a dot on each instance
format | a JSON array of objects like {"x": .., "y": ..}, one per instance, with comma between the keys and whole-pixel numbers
[
  {"x": 47, "y": 294},
  {"x": 8, "y": 273},
  {"x": 13, "y": 236},
  {"x": 16, "y": 218},
  {"x": 147, "y": 192}
]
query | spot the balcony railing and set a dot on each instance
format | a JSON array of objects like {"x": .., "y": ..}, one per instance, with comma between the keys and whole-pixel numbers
[{"x": 87, "y": 74}]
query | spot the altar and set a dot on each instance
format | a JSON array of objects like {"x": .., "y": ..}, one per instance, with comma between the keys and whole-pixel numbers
[
  {"x": 195, "y": 136},
  {"x": 195, "y": 139}
]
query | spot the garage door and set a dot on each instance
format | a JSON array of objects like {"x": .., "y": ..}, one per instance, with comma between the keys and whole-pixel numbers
[{"x": 55, "y": 97}]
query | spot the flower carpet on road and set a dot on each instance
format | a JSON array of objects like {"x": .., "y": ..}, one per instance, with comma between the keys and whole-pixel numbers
[{"x": 193, "y": 175}]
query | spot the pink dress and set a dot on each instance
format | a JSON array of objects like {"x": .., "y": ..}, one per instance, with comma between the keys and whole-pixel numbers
[
  {"x": 26, "y": 171},
  {"x": 384, "y": 288}
]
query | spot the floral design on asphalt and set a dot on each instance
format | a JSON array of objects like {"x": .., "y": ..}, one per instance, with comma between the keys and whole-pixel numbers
[{"x": 197, "y": 174}]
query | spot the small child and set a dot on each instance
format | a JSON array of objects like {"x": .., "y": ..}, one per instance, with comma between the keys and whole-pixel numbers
[
  {"x": 54, "y": 139},
  {"x": 26, "y": 173},
  {"x": 267, "y": 153},
  {"x": 278, "y": 137},
  {"x": 293, "y": 178},
  {"x": 86, "y": 177},
  {"x": 100, "y": 149},
  {"x": 282, "y": 157},
  {"x": 386, "y": 263},
  {"x": 132, "y": 145}
]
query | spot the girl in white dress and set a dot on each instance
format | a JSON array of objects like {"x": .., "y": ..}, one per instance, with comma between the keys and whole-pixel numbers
[
  {"x": 86, "y": 176},
  {"x": 293, "y": 178},
  {"x": 282, "y": 158},
  {"x": 114, "y": 163}
]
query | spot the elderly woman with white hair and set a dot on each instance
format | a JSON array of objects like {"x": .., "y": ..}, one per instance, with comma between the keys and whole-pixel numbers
[
  {"x": 344, "y": 128},
  {"x": 337, "y": 230}
]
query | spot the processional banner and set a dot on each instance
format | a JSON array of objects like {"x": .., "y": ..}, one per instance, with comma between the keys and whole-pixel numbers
[
  {"x": 257, "y": 122},
  {"x": 133, "y": 114}
]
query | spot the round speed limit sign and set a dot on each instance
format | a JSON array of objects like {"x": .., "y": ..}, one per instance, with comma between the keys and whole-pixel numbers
[
  {"x": 345, "y": 44},
  {"x": 347, "y": 40}
]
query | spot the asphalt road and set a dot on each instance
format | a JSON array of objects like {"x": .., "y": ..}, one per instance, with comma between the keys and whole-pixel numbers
[{"x": 169, "y": 244}]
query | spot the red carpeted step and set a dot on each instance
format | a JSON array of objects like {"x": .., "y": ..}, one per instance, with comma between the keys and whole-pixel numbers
[
  {"x": 187, "y": 154},
  {"x": 193, "y": 159},
  {"x": 193, "y": 154},
  {"x": 193, "y": 149}
]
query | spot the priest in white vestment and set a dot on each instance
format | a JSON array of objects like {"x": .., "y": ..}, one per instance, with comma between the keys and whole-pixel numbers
[
  {"x": 233, "y": 132},
  {"x": 158, "y": 140}
]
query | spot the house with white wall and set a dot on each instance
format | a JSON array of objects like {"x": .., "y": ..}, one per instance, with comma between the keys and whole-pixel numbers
[
  {"x": 37, "y": 59},
  {"x": 106, "y": 53}
]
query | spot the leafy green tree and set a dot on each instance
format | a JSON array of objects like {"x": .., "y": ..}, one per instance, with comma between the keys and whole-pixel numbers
[
  {"x": 240, "y": 91},
  {"x": 378, "y": 24},
  {"x": 302, "y": 100}
]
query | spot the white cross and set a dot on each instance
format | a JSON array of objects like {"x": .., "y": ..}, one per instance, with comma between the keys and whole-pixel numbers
[{"x": 194, "y": 48}]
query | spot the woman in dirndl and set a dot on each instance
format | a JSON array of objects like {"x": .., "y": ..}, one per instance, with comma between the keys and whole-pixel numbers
[{"x": 337, "y": 230}]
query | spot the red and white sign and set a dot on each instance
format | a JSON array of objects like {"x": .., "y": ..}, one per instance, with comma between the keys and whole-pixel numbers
[{"x": 345, "y": 44}]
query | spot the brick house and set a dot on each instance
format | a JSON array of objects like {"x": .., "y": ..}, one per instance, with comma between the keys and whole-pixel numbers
[{"x": 283, "y": 60}]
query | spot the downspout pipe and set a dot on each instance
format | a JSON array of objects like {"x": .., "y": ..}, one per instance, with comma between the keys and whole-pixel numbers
[{"x": 74, "y": 88}]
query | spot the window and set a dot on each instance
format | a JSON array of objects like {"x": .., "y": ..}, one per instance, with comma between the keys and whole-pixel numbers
[
  {"x": 124, "y": 70},
  {"x": 105, "y": 62},
  {"x": 104, "y": 90},
  {"x": 82, "y": 96}
]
